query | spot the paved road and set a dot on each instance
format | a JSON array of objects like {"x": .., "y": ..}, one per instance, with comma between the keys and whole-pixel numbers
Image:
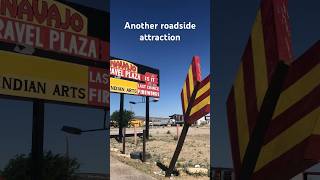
[{"x": 121, "y": 171}]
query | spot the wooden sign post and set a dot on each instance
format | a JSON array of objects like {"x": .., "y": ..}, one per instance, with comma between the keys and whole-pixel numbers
[{"x": 195, "y": 98}]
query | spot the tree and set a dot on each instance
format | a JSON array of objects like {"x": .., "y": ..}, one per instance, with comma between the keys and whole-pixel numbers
[
  {"x": 55, "y": 167},
  {"x": 127, "y": 116}
]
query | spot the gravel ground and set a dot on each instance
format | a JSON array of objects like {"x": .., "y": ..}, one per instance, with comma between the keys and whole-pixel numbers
[{"x": 161, "y": 146}]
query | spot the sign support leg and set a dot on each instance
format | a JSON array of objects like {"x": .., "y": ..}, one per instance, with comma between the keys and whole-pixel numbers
[
  {"x": 124, "y": 141},
  {"x": 144, "y": 147},
  {"x": 174, "y": 159},
  {"x": 121, "y": 117},
  {"x": 265, "y": 115},
  {"x": 147, "y": 117},
  {"x": 37, "y": 139}
]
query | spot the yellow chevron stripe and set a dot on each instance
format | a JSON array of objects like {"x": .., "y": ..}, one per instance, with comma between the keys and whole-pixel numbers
[
  {"x": 298, "y": 90},
  {"x": 203, "y": 90},
  {"x": 191, "y": 84},
  {"x": 200, "y": 105},
  {"x": 185, "y": 97},
  {"x": 292, "y": 136},
  {"x": 259, "y": 60},
  {"x": 241, "y": 112}
]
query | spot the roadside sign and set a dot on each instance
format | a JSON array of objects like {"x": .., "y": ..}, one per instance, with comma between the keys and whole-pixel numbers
[
  {"x": 41, "y": 78},
  {"x": 135, "y": 79},
  {"x": 51, "y": 26},
  {"x": 50, "y": 50}
]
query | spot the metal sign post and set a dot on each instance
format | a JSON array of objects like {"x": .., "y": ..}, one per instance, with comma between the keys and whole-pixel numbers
[
  {"x": 144, "y": 147},
  {"x": 124, "y": 140},
  {"x": 121, "y": 117},
  {"x": 147, "y": 117}
]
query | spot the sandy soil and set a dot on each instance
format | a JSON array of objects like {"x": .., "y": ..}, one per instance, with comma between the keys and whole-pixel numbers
[{"x": 162, "y": 144}]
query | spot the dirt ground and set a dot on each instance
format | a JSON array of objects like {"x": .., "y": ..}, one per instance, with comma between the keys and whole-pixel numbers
[{"x": 161, "y": 146}]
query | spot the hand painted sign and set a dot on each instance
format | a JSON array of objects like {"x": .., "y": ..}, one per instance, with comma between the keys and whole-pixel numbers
[
  {"x": 40, "y": 78},
  {"x": 135, "y": 79},
  {"x": 49, "y": 25},
  {"x": 47, "y": 13},
  {"x": 54, "y": 32}
]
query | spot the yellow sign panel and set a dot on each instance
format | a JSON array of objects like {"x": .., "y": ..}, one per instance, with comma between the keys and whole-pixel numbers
[
  {"x": 123, "y": 86},
  {"x": 41, "y": 78}
]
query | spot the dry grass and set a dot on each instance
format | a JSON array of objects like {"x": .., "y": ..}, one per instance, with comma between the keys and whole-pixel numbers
[{"x": 162, "y": 144}]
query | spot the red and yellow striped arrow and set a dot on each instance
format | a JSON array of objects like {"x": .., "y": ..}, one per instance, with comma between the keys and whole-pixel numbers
[
  {"x": 195, "y": 95},
  {"x": 268, "y": 45},
  {"x": 291, "y": 142}
]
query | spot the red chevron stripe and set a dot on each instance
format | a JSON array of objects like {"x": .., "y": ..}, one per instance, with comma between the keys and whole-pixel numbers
[
  {"x": 233, "y": 131},
  {"x": 202, "y": 97},
  {"x": 273, "y": 33},
  {"x": 299, "y": 67},
  {"x": 182, "y": 103},
  {"x": 188, "y": 88},
  {"x": 199, "y": 114},
  {"x": 284, "y": 43},
  {"x": 298, "y": 159},
  {"x": 196, "y": 69},
  {"x": 293, "y": 114},
  {"x": 204, "y": 82}
]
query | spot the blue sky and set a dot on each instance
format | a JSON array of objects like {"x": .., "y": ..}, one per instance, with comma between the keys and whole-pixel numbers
[{"x": 171, "y": 58}]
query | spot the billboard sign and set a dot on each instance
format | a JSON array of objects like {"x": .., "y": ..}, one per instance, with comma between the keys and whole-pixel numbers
[
  {"x": 51, "y": 26},
  {"x": 36, "y": 77},
  {"x": 47, "y": 48},
  {"x": 135, "y": 79}
]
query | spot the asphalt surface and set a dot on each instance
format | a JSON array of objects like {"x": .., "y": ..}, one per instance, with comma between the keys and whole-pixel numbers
[{"x": 121, "y": 171}]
